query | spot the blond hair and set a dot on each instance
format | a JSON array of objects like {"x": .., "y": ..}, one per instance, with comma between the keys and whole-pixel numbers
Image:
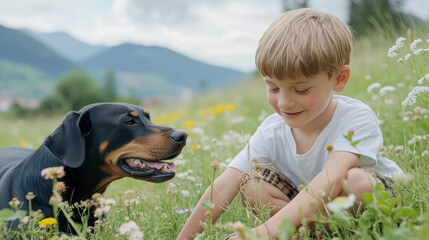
[{"x": 304, "y": 41}]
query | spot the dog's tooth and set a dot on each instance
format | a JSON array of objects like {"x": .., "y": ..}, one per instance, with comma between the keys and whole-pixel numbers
[
  {"x": 165, "y": 168},
  {"x": 137, "y": 162},
  {"x": 143, "y": 165}
]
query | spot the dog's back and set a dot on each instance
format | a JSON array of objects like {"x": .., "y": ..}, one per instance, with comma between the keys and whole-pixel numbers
[{"x": 9, "y": 158}]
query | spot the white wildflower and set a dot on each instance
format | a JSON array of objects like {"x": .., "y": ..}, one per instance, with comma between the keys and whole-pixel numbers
[
  {"x": 197, "y": 130},
  {"x": 413, "y": 45},
  {"x": 368, "y": 77},
  {"x": 341, "y": 203},
  {"x": 422, "y": 80},
  {"x": 238, "y": 119},
  {"x": 393, "y": 52},
  {"x": 372, "y": 86},
  {"x": 400, "y": 42},
  {"x": 135, "y": 235},
  {"x": 98, "y": 212},
  {"x": 185, "y": 193},
  {"x": 415, "y": 139},
  {"x": 25, "y": 219},
  {"x": 405, "y": 119},
  {"x": 110, "y": 201},
  {"x": 402, "y": 178},
  {"x": 412, "y": 96},
  {"x": 418, "y": 51},
  {"x": 400, "y": 60},
  {"x": 132, "y": 230},
  {"x": 128, "y": 227},
  {"x": 400, "y": 85},
  {"x": 385, "y": 89},
  {"x": 53, "y": 172},
  {"x": 407, "y": 56}
]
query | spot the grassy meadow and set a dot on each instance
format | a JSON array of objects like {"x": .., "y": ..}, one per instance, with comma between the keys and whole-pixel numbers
[{"x": 219, "y": 125}]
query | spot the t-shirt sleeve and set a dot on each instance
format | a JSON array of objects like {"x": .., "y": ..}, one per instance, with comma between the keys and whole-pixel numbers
[
  {"x": 258, "y": 148},
  {"x": 366, "y": 139}
]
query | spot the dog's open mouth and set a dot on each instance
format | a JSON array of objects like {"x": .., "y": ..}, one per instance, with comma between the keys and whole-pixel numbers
[{"x": 155, "y": 171}]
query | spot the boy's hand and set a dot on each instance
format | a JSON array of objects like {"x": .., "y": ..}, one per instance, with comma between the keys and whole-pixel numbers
[{"x": 225, "y": 188}]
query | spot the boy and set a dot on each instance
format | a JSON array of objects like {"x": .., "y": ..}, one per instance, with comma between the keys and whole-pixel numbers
[{"x": 304, "y": 58}]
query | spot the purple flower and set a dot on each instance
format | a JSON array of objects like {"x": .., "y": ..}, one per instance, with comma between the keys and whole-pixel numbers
[{"x": 180, "y": 211}]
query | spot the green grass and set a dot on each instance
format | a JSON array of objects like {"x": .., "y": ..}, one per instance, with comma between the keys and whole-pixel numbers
[{"x": 153, "y": 206}]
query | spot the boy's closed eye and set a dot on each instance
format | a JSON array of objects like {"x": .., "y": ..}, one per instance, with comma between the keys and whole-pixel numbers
[
  {"x": 272, "y": 89},
  {"x": 302, "y": 91}
]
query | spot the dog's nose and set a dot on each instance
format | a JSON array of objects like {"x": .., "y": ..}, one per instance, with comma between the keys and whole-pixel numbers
[{"x": 179, "y": 137}]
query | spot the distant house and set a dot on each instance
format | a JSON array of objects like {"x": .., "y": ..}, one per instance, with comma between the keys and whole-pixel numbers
[
  {"x": 6, "y": 104},
  {"x": 28, "y": 104}
]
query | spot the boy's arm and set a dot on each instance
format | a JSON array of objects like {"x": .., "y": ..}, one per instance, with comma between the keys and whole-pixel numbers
[
  {"x": 226, "y": 187},
  {"x": 308, "y": 202}
]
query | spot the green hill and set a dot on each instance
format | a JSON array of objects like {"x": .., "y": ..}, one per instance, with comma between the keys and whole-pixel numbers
[
  {"x": 19, "y": 47},
  {"x": 164, "y": 64}
]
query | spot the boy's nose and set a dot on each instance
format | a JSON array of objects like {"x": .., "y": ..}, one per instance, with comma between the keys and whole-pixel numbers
[{"x": 285, "y": 102}]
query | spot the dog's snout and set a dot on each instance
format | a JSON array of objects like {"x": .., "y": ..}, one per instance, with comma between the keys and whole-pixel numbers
[{"x": 179, "y": 137}]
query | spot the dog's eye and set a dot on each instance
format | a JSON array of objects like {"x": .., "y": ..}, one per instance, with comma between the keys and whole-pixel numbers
[{"x": 130, "y": 122}]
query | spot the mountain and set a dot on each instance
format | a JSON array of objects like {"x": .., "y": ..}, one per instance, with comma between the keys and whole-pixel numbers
[
  {"x": 31, "y": 63},
  {"x": 18, "y": 47},
  {"x": 66, "y": 45},
  {"x": 171, "y": 66}
]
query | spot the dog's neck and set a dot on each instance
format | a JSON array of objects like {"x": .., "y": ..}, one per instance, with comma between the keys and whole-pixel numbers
[{"x": 33, "y": 181}]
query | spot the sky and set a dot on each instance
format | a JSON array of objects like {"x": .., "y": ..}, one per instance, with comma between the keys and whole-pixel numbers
[{"x": 218, "y": 32}]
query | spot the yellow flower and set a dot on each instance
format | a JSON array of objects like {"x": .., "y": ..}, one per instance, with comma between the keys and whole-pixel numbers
[
  {"x": 329, "y": 147},
  {"x": 47, "y": 222},
  {"x": 195, "y": 147},
  {"x": 230, "y": 106},
  {"x": 340, "y": 203},
  {"x": 23, "y": 143},
  {"x": 202, "y": 112},
  {"x": 189, "y": 123}
]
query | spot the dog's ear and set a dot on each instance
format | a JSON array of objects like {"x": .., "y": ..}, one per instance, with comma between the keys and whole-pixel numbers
[{"x": 67, "y": 142}]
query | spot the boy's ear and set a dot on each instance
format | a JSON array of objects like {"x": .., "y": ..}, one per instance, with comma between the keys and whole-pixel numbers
[{"x": 342, "y": 78}]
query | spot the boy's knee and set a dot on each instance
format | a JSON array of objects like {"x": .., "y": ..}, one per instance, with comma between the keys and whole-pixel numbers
[
  {"x": 258, "y": 193},
  {"x": 359, "y": 181},
  {"x": 252, "y": 192}
]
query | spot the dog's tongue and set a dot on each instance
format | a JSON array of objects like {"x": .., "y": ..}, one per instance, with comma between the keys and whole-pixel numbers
[{"x": 157, "y": 165}]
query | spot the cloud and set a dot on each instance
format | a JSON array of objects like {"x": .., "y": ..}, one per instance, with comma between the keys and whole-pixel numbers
[{"x": 220, "y": 32}]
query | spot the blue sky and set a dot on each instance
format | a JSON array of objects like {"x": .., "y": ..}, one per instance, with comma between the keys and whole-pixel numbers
[{"x": 219, "y": 32}]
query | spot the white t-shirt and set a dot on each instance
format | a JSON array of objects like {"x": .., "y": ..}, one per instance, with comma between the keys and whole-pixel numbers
[{"x": 273, "y": 144}]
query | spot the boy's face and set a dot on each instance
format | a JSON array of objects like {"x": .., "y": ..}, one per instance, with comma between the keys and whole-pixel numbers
[{"x": 304, "y": 103}]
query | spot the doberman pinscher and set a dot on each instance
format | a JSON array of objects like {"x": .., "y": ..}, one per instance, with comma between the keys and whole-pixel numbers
[{"x": 101, "y": 143}]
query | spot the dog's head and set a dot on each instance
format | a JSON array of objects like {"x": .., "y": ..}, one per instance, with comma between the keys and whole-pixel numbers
[{"x": 119, "y": 139}]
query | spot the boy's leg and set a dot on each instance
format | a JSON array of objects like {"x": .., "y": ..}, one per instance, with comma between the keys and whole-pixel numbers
[
  {"x": 363, "y": 179},
  {"x": 268, "y": 189}
]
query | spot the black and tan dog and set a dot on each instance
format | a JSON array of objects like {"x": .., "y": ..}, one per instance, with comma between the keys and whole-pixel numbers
[{"x": 97, "y": 145}]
